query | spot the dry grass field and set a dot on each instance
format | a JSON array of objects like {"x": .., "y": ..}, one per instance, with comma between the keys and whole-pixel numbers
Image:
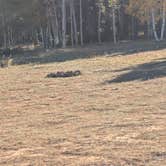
[{"x": 114, "y": 114}]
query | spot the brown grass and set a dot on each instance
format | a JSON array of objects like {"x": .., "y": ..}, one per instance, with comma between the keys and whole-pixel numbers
[{"x": 80, "y": 120}]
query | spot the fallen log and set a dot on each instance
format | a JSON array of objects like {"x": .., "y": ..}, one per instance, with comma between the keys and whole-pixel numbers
[{"x": 61, "y": 74}]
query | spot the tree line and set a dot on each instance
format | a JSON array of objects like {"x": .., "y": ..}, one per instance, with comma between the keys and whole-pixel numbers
[{"x": 59, "y": 23}]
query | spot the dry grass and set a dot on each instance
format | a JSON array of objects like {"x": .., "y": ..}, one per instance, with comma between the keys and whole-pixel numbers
[{"x": 80, "y": 120}]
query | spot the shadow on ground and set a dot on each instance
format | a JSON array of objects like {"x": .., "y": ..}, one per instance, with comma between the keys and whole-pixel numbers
[
  {"x": 106, "y": 49},
  {"x": 143, "y": 72}
]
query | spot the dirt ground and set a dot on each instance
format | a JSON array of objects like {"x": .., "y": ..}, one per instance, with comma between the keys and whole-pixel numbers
[{"x": 114, "y": 114}]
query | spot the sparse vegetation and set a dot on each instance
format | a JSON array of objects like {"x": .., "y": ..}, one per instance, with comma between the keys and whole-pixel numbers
[{"x": 89, "y": 119}]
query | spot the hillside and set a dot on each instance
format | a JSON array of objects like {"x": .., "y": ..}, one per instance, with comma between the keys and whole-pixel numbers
[{"x": 113, "y": 114}]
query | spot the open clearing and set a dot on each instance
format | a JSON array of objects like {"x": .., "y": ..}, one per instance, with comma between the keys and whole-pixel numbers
[{"x": 114, "y": 114}]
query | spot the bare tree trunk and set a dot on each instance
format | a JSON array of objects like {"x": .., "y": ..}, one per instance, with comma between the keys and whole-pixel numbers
[
  {"x": 114, "y": 24},
  {"x": 99, "y": 25},
  {"x": 8, "y": 37},
  {"x": 75, "y": 24},
  {"x": 11, "y": 36},
  {"x": 55, "y": 26},
  {"x": 154, "y": 25},
  {"x": 42, "y": 37},
  {"x": 132, "y": 28},
  {"x": 148, "y": 23},
  {"x": 71, "y": 25},
  {"x": 50, "y": 37},
  {"x": 163, "y": 23},
  {"x": 47, "y": 37},
  {"x": 63, "y": 23},
  {"x": 81, "y": 26},
  {"x": 4, "y": 31}
]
